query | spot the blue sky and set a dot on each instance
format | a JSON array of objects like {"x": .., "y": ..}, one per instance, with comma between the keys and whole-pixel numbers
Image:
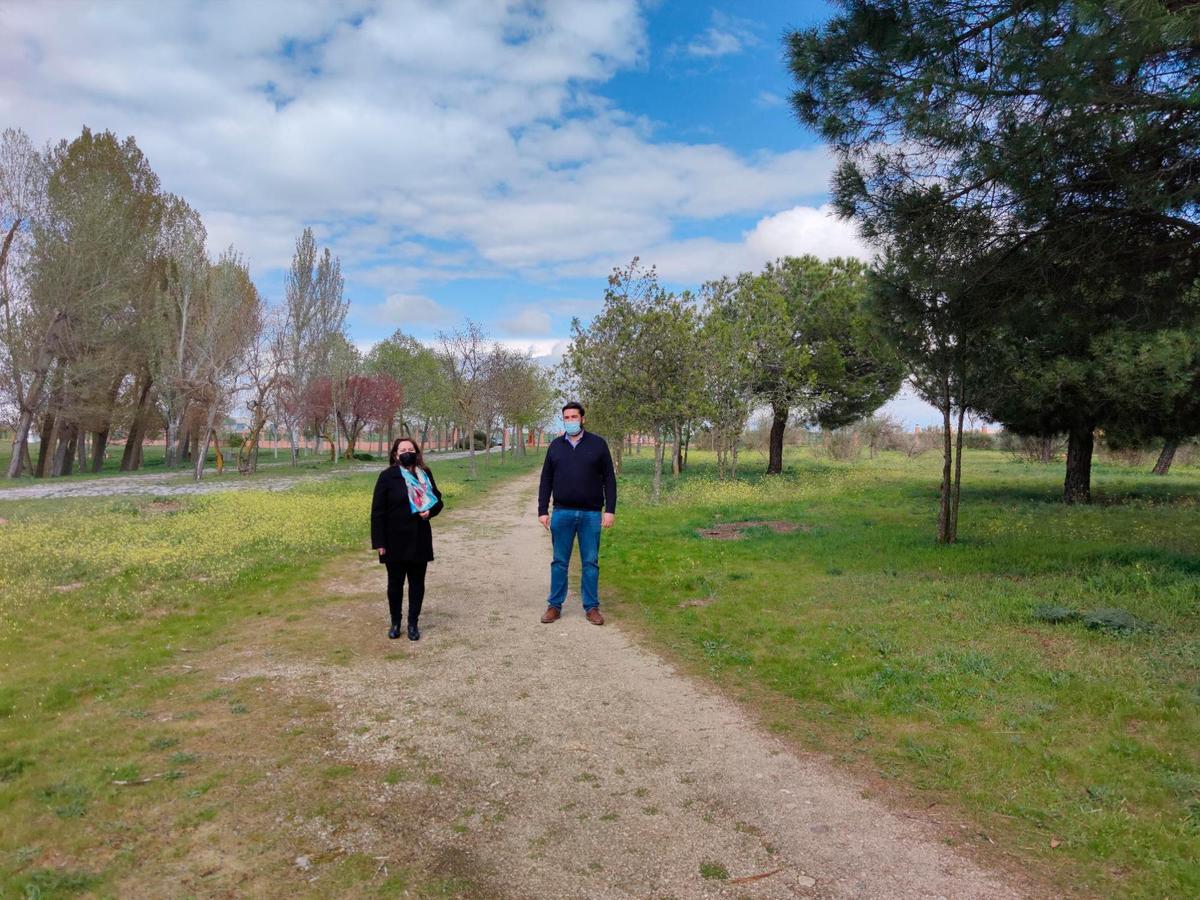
[{"x": 463, "y": 158}]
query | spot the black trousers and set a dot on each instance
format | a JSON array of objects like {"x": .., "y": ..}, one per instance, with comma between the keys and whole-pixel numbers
[{"x": 398, "y": 571}]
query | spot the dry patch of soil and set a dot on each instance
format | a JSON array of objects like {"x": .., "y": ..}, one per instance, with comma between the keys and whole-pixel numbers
[{"x": 733, "y": 531}]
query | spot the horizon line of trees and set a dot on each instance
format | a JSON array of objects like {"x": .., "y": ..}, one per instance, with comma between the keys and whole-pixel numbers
[
  {"x": 795, "y": 339},
  {"x": 118, "y": 321}
]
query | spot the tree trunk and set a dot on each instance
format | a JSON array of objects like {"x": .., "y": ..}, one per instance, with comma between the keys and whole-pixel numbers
[
  {"x": 49, "y": 434},
  {"x": 64, "y": 453},
  {"x": 658, "y": 463},
  {"x": 21, "y": 436},
  {"x": 471, "y": 445},
  {"x": 779, "y": 417},
  {"x": 131, "y": 459},
  {"x": 677, "y": 451},
  {"x": 20, "y": 444},
  {"x": 944, "y": 535},
  {"x": 958, "y": 449},
  {"x": 171, "y": 440},
  {"x": 99, "y": 445},
  {"x": 1046, "y": 450},
  {"x": 1077, "y": 487},
  {"x": 202, "y": 452},
  {"x": 1166, "y": 457},
  {"x": 618, "y": 455}
]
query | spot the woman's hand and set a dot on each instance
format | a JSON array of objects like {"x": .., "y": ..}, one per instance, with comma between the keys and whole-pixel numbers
[
  {"x": 424, "y": 514},
  {"x": 382, "y": 551}
]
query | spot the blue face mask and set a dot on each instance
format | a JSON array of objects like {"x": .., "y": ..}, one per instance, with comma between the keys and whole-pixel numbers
[{"x": 572, "y": 428}]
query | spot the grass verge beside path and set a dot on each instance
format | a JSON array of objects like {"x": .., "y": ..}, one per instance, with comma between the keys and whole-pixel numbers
[
  {"x": 1039, "y": 681},
  {"x": 103, "y": 602}
]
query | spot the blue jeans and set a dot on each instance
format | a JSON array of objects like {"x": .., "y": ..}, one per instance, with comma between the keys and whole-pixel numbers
[{"x": 565, "y": 524}]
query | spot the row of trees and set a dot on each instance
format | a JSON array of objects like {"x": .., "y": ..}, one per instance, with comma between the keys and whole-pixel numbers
[
  {"x": 118, "y": 321},
  {"x": 111, "y": 305},
  {"x": 795, "y": 338},
  {"x": 1030, "y": 174},
  {"x": 466, "y": 384}
]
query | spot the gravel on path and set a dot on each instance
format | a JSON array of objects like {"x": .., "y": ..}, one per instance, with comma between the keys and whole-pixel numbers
[{"x": 594, "y": 769}]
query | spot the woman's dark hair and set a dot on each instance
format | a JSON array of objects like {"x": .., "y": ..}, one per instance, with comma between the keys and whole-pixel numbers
[
  {"x": 575, "y": 404},
  {"x": 394, "y": 457}
]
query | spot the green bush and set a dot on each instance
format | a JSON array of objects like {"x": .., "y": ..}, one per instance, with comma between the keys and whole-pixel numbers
[{"x": 480, "y": 441}]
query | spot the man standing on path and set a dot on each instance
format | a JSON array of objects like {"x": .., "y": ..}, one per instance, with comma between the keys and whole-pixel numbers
[{"x": 578, "y": 472}]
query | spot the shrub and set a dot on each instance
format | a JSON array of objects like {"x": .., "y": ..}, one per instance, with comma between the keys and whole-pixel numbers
[
  {"x": 1115, "y": 620},
  {"x": 1055, "y": 614},
  {"x": 1032, "y": 448},
  {"x": 841, "y": 443},
  {"x": 365, "y": 457},
  {"x": 480, "y": 441}
]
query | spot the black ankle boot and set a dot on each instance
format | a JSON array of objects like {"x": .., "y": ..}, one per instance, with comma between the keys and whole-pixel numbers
[
  {"x": 414, "y": 633},
  {"x": 394, "y": 632}
]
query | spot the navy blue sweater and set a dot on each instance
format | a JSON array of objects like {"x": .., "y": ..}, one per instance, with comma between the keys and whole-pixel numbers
[{"x": 579, "y": 477}]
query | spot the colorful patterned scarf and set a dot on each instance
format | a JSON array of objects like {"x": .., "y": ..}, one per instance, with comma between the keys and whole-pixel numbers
[{"x": 420, "y": 496}]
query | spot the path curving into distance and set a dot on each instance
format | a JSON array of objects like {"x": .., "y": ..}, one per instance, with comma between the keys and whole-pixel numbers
[{"x": 584, "y": 766}]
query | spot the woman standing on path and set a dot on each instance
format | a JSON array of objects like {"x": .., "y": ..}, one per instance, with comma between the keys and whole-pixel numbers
[{"x": 406, "y": 498}]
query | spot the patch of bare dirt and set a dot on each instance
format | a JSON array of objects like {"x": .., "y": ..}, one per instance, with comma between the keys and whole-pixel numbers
[{"x": 733, "y": 531}]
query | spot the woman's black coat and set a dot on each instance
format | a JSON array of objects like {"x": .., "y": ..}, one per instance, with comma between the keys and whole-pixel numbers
[{"x": 394, "y": 525}]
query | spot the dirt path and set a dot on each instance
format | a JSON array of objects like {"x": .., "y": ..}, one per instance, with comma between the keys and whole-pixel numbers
[{"x": 582, "y": 766}]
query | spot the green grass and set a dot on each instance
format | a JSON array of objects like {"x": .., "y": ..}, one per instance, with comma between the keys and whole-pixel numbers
[
  {"x": 935, "y": 667},
  {"x": 102, "y": 603}
]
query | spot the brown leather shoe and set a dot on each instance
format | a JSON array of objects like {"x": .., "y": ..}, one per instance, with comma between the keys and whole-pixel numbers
[
  {"x": 552, "y": 614},
  {"x": 593, "y": 616}
]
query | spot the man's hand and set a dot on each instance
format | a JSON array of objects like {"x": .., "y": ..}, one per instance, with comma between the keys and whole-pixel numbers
[
  {"x": 545, "y": 520},
  {"x": 424, "y": 514},
  {"x": 607, "y": 520},
  {"x": 382, "y": 550}
]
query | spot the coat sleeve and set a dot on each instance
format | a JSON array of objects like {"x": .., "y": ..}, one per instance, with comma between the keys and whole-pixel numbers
[
  {"x": 545, "y": 485},
  {"x": 439, "y": 506},
  {"x": 609, "y": 473},
  {"x": 378, "y": 512}
]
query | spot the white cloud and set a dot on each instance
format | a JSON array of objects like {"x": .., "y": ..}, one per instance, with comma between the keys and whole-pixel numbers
[
  {"x": 527, "y": 321},
  {"x": 537, "y": 347},
  {"x": 794, "y": 232},
  {"x": 412, "y": 309},
  {"x": 393, "y": 128},
  {"x": 769, "y": 100},
  {"x": 727, "y": 35}
]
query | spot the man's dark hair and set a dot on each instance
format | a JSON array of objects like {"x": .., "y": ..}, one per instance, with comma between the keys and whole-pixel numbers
[{"x": 575, "y": 404}]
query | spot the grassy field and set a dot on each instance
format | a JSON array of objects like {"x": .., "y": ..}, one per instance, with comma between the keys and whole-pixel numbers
[
  {"x": 1034, "y": 690},
  {"x": 116, "y": 754}
]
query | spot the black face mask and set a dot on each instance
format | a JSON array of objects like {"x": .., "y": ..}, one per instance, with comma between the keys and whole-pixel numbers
[{"x": 407, "y": 459}]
